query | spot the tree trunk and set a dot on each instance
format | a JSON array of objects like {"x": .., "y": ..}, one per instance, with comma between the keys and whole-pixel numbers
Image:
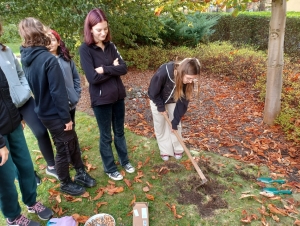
[{"x": 275, "y": 61}]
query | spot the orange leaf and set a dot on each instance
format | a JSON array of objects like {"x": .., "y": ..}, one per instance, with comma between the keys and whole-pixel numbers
[
  {"x": 99, "y": 195},
  {"x": 128, "y": 183},
  {"x": 111, "y": 182},
  {"x": 297, "y": 222},
  {"x": 140, "y": 165},
  {"x": 58, "y": 199},
  {"x": 123, "y": 173},
  {"x": 147, "y": 160},
  {"x": 85, "y": 195},
  {"x": 80, "y": 219},
  {"x": 133, "y": 201},
  {"x": 150, "y": 185},
  {"x": 77, "y": 200},
  {"x": 275, "y": 218},
  {"x": 276, "y": 210},
  {"x": 38, "y": 157},
  {"x": 150, "y": 197},
  {"x": 52, "y": 180},
  {"x": 158, "y": 10},
  {"x": 42, "y": 167},
  {"x": 99, "y": 204},
  {"x": 119, "y": 190}
]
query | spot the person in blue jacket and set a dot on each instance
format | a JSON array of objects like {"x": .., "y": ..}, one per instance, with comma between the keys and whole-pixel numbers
[
  {"x": 103, "y": 67},
  {"x": 46, "y": 81},
  {"x": 21, "y": 95},
  {"x": 15, "y": 160},
  {"x": 170, "y": 90}
]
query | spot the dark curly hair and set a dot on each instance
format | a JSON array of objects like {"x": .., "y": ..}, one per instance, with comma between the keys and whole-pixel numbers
[{"x": 62, "y": 50}]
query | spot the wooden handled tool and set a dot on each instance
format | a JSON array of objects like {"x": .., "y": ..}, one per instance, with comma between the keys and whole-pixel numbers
[{"x": 203, "y": 178}]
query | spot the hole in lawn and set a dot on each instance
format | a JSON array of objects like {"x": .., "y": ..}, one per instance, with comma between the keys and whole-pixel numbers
[{"x": 206, "y": 197}]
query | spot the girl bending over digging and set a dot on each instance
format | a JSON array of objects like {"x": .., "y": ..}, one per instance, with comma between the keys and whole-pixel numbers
[{"x": 170, "y": 91}]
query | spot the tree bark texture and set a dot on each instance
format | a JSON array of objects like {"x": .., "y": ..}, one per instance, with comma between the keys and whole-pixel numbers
[{"x": 275, "y": 61}]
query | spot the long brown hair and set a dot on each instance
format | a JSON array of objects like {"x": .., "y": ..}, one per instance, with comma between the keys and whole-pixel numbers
[
  {"x": 188, "y": 66},
  {"x": 33, "y": 33}
]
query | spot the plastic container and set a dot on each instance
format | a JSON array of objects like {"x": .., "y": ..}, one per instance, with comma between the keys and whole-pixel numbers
[{"x": 101, "y": 219}]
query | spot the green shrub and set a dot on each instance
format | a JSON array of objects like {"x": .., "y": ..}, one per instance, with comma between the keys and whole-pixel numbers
[
  {"x": 196, "y": 28},
  {"x": 10, "y": 34},
  {"x": 222, "y": 58},
  {"x": 151, "y": 57},
  {"x": 252, "y": 28}
]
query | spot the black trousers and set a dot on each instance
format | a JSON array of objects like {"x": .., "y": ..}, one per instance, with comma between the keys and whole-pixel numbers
[
  {"x": 39, "y": 130},
  {"x": 67, "y": 147}
]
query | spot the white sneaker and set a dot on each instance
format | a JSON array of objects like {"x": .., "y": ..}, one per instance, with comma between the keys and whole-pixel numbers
[
  {"x": 115, "y": 175},
  {"x": 164, "y": 157},
  {"x": 178, "y": 156},
  {"x": 129, "y": 168}
]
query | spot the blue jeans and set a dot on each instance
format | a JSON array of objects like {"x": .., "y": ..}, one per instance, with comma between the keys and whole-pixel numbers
[
  {"x": 111, "y": 116},
  {"x": 19, "y": 162}
]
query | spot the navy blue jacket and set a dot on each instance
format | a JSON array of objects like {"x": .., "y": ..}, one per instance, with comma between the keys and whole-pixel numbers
[
  {"x": 46, "y": 81},
  {"x": 9, "y": 115},
  {"x": 108, "y": 87},
  {"x": 161, "y": 91}
]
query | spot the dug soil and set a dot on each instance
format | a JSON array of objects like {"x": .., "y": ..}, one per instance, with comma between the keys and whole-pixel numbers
[{"x": 206, "y": 197}]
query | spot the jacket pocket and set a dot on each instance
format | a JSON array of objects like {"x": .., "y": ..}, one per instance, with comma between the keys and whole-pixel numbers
[{"x": 19, "y": 95}]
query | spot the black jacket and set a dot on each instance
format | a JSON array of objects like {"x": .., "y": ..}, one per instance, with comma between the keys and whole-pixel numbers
[
  {"x": 161, "y": 90},
  {"x": 47, "y": 83},
  {"x": 9, "y": 115},
  {"x": 108, "y": 87}
]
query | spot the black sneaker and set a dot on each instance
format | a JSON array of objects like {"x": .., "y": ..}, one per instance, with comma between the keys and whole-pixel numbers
[
  {"x": 37, "y": 178},
  {"x": 22, "y": 221},
  {"x": 84, "y": 179},
  {"x": 51, "y": 172},
  {"x": 71, "y": 188},
  {"x": 129, "y": 168},
  {"x": 43, "y": 212},
  {"x": 115, "y": 175}
]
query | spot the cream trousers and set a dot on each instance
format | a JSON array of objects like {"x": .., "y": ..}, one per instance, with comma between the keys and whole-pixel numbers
[{"x": 167, "y": 141}]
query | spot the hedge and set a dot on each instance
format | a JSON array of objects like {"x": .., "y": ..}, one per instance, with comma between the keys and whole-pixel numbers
[{"x": 252, "y": 28}]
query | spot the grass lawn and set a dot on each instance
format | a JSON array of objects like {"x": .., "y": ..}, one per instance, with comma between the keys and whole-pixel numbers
[{"x": 175, "y": 183}]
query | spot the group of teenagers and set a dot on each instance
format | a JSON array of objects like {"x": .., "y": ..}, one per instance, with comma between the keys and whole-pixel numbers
[{"x": 43, "y": 93}]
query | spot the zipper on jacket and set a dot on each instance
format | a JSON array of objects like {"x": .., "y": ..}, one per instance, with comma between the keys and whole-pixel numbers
[{"x": 100, "y": 93}]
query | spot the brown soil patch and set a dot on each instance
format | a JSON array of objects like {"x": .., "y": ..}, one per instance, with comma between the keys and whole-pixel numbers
[
  {"x": 191, "y": 191},
  {"x": 206, "y": 197}
]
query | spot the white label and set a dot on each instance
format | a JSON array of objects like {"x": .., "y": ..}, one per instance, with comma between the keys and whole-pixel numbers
[
  {"x": 145, "y": 223},
  {"x": 136, "y": 213},
  {"x": 144, "y": 213}
]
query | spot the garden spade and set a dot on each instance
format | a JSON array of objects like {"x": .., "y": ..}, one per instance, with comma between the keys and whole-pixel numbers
[
  {"x": 203, "y": 178},
  {"x": 269, "y": 180},
  {"x": 275, "y": 191}
]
